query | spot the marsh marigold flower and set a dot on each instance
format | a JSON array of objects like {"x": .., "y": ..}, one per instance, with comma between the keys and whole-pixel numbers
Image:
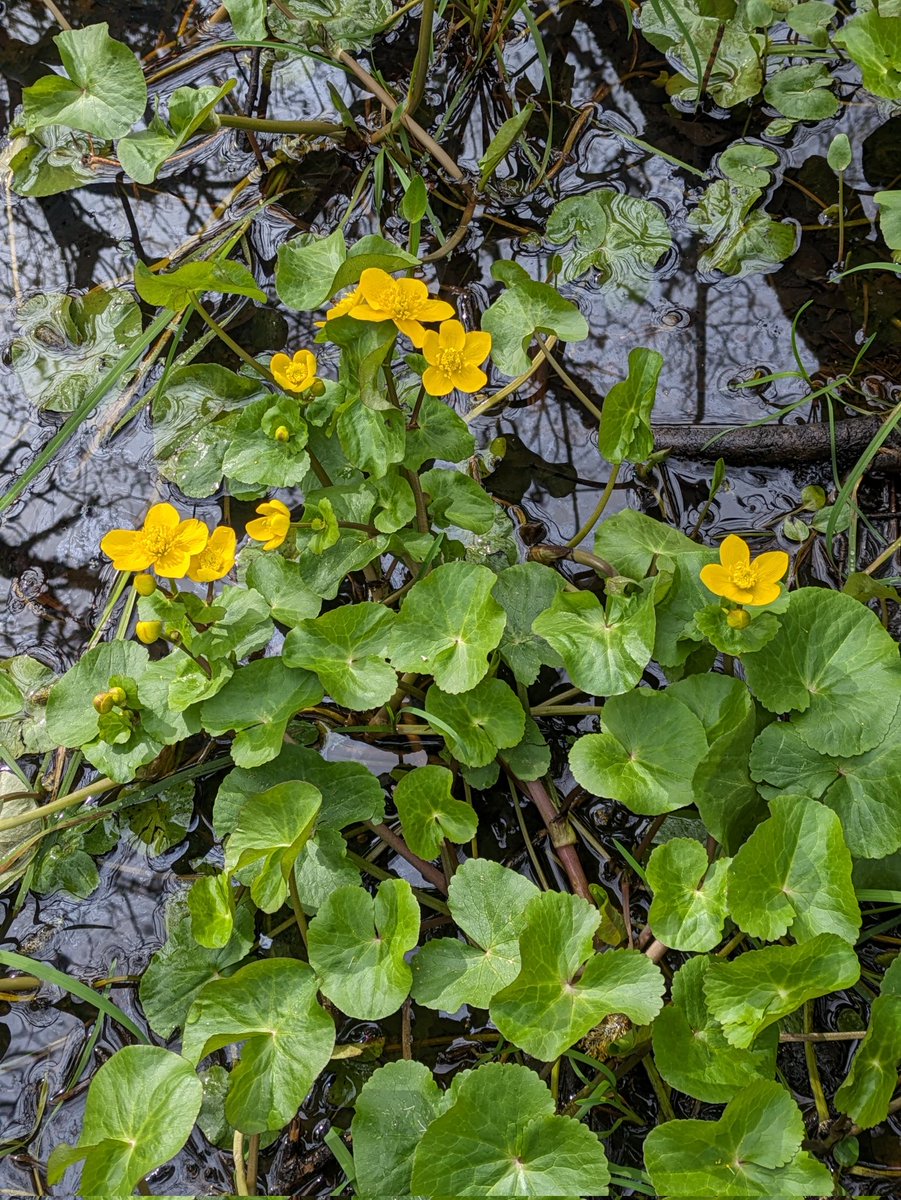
[
  {"x": 295, "y": 374},
  {"x": 739, "y": 579},
  {"x": 148, "y": 632},
  {"x": 454, "y": 357},
  {"x": 272, "y": 525},
  {"x": 167, "y": 543},
  {"x": 406, "y": 302},
  {"x": 217, "y": 557},
  {"x": 343, "y": 306}
]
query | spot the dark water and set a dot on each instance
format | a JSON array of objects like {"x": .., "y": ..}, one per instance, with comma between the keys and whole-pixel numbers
[{"x": 712, "y": 334}]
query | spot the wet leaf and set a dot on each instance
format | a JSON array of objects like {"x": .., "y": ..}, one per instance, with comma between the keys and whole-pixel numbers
[
  {"x": 141, "y": 1108},
  {"x": 335, "y": 24},
  {"x": 500, "y": 1136},
  {"x": 478, "y": 723},
  {"x": 11, "y": 839},
  {"x": 255, "y": 457},
  {"x": 346, "y": 648},
  {"x": 748, "y": 163},
  {"x": 873, "y": 42},
  {"x": 622, "y": 237},
  {"x": 68, "y": 343},
  {"x": 322, "y": 867},
  {"x": 395, "y": 1105},
  {"x": 689, "y": 906},
  {"x": 306, "y": 267},
  {"x": 691, "y": 1051},
  {"x": 439, "y": 433},
  {"x": 270, "y": 831},
  {"x": 175, "y": 289},
  {"x": 163, "y": 821},
  {"x": 869, "y": 1086},
  {"x": 889, "y": 205},
  {"x": 754, "y": 1149},
  {"x": 646, "y": 756},
  {"x": 563, "y": 988},
  {"x": 839, "y": 157},
  {"x": 631, "y": 541},
  {"x": 524, "y": 308},
  {"x": 51, "y": 160},
  {"x": 270, "y": 1006},
  {"x": 454, "y": 498},
  {"x": 802, "y": 93},
  {"x": 794, "y": 872},
  {"x": 625, "y": 433},
  {"x": 525, "y": 591},
  {"x": 740, "y": 239},
  {"x": 502, "y": 143},
  {"x": 761, "y": 987},
  {"x": 248, "y": 18},
  {"x": 448, "y": 625},
  {"x": 812, "y": 20},
  {"x": 712, "y": 621},
  {"x": 832, "y": 663},
  {"x": 144, "y": 152},
  {"x": 357, "y": 945},
  {"x": 429, "y": 813},
  {"x": 281, "y": 583},
  {"x": 488, "y": 903},
  {"x": 104, "y": 93},
  {"x": 687, "y": 31}
]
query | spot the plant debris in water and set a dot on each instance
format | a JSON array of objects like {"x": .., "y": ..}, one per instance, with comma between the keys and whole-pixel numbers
[{"x": 616, "y": 807}]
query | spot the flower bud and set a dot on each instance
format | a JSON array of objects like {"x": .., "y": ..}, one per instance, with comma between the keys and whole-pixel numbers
[
  {"x": 103, "y": 702},
  {"x": 317, "y": 388},
  {"x": 282, "y": 433},
  {"x": 738, "y": 618},
  {"x": 173, "y": 634},
  {"x": 148, "y": 632},
  {"x": 144, "y": 585},
  {"x": 117, "y": 695}
]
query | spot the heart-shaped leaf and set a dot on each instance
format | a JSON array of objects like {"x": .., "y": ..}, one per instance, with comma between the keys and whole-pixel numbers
[{"x": 429, "y": 813}]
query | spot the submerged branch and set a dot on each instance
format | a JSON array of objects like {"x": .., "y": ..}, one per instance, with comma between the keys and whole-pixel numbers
[{"x": 778, "y": 445}]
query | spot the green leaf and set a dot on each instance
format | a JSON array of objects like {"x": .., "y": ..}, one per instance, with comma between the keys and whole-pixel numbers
[
  {"x": 287, "y": 1038},
  {"x": 141, "y": 1108},
  {"x": 255, "y": 455},
  {"x": 357, "y": 945},
  {"x": 832, "y": 662},
  {"x": 763, "y": 986},
  {"x": 812, "y": 19},
  {"x": 740, "y": 239},
  {"x": 429, "y": 813},
  {"x": 104, "y": 94},
  {"x": 868, "y": 1088},
  {"x": 193, "y": 416},
  {"x": 51, "y": 160},
  {"x": 525, "y": 591},
  {"x": 322, "y": 867},
  {"x": 754, "y": 1149},
  {"x": 372, "y": 440},
  {"x": 690, "y": 1050},
  {"x": 689, "y": 906},
  {"x": 712, "y": 622},
  {"x": 164, "y": 821},
  {"x": 724, "y": 793},
  {"x": 176, "y": 973},
  {"x": 563, "y": 988},
  {"x": 346, "y": 648},
  {"x": 258, "y": 702},
  {"x": 861, "y": 789},
  {"x": 281, "y": 583},
  {"x": 174, "y": 289},
  {"x": 395, "y": 1105},
  {"x": 448, "y": 625},
  {"x": 439, "y": 433},
  {"x": 500, "y": 1136},
  {"x": 335, "y": 24},
  {"x": 487, "y": 719},
  {"x": 11, "y": 699},
  {"x": 873, "y": 42},
  {"x": 631, "y": 541},
  {"x": 524, "y": 308},
  {"x": 794, "y": 872},
  {"x": 839, "y": 156},
  {"x": 488, "y": 903},
  {"x": 646, "y": 756},
  {"x": 415, "y": 203},
  {"x": 802, "y": 93},
  {"x": 747, "y": 163},
  {"x": 701, "y": 41},
  {"x": 271, "y": 830},
  {"x": 11, "y": 840},
  {"x": 211, "y": 903},
  {"x": 530, "y": 758},
  {"x": 502, "y": 143},
  {"x": 889, "y": 205},
  {"x": 350, "y": 791},
  {"x": 454, "y": 498},
  {"x": 605, "y": 652},
  {"x": 371, "y": 251},
  {"x": 143, "y": 153},
  {"x": 622, "y": 237},
  {"x": 306, "y": 267},
  {"x": 626, "y": 434},
  {"x": 248, "y": 18},
  {"x": 68, "y": 343}
]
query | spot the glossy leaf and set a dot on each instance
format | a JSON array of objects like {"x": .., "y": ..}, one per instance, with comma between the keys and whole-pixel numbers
[
  {"x": 524, "y": 591},
  {"x": 144, "y": 152},
  {"x": 524, "y": 308},
  {"x": 429, "y": 813},
  {"x": 502, "y": 143},
  {"x": 478, "y": 723},
  {"x": 395, "y": 1105},
  {"x": 631, "y": 541},
  {"x": 271, "y": 830},
  {"x": 740, "y": 239},
  {"x": 873, "y": 41},
  {"x": 621, "y": 237},
  {"x": 626, "y": 434},
  {"x": 689, "y": 906},
  {"x": 802, "y": 93},
  {"x": 174, "y": 289},
  {"x": 306, "y": 267},
  {"x": 869, "y": 1086},
  {"x": 346, "y": 648}
]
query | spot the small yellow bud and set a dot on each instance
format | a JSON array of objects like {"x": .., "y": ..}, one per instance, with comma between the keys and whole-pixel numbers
[
  {"x": 148, "y": 632},
  {"x": 173, "y": 634},
  {"x": 738, "y": 618},
  {"x": 317, "y": 388},
  {"x": 144, "y": 585},
  {"x": 102, "y": 702},
  {"x": 282, "y": 433},
  {"x": 117, "y": 695}
]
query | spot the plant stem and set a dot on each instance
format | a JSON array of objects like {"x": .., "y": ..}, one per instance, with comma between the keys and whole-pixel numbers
[
  {"x": 813, "y": 1072},
  {"x": 238, "y": 1156},
  {"x": 230, "y": 341},
  {"x": 567, "y": 378},
  {"x": 397, "y": 843},
  {"x": 599, "y": 510},
  {"x": 558, "y": 829},
  {"x": 423, "y": 54},
  {"x": 297, "y": 909},
  {"x": 422, "y": 514},
  {"x": 47, "y": 810},
  {"x": 854, "y": 1036},
  {"x": 253, "y": 1158},
  {"x": 264, "y": 125},
  {"x": 509, "y": 388}
]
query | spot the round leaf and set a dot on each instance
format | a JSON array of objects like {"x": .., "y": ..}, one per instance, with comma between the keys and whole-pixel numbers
[
  {"x": 478, "y": 723},
  {"x": 429, "y": 813}
]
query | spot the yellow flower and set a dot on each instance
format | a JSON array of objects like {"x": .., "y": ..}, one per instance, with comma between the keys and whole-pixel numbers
[
  {"x": 166, "y": 543},
  {"x": 406, "y": 302},
  {"x": 343, "y": 306},
  {"x": 148, "y": 632},
  {"x": 272, "y": 525},
  {"x": 217, "y": 557},
  {"x": 454, "y": 357},
  {"x": 736, "y": 578},
  {"x": 294, "y": 374}
]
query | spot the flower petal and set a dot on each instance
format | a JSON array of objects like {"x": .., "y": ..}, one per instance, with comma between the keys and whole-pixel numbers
[
  {"x": 771, "y": 566},
  {"x": 414, "y": 331},
  {"x": 125, "y": 547},
  {"x": 363, "y": 312},
  {"x": 271, "y": 507},
  {"x": 430, "y": 346},
  {"x": 374, "y": 282},
  {"x": 260, "y": 529},
  {"x": 413, "y": 290},
  {"x": 173, "y": 564},
  {"x": 162, "y": 516},
  {"x": 435, "y": 310},
  {"x": 716, "y": 579},
  {"x": 470, "y": 379},
  {"x": 735, "y": 552},
  {"x": 436, "y": 383},
  {"x": 191, "y": 537},
  {"x": 452, "y": 335},
  {"x": 764, "y": 593},
  {"x": 477, "y": 348},
  {"x": 279, "y": 363}
]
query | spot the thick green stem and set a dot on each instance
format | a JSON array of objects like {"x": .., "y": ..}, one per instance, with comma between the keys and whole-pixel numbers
[
  {"x": 423, "y": 55},
  {"x": 230, "y": 341},
  {"x": 599, "y": 510},
  {"x": 264, "y": 125},
  {"x": 55, "y": 806},
  {"x": 567, "y": 378}
]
